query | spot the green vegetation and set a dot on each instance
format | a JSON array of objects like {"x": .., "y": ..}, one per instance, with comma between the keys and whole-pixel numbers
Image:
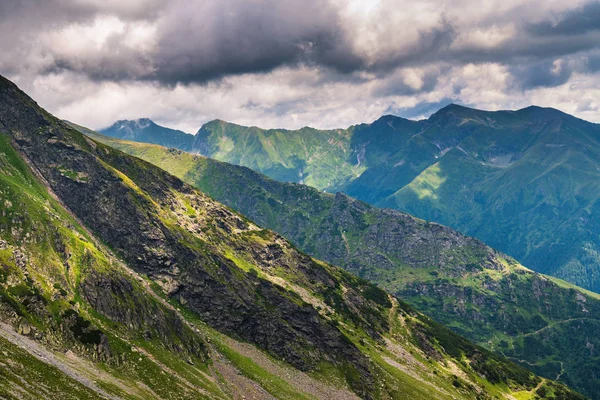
[
  {"x": 129, "y": 286},
  {"x": 46, "y": 381},
  {"x": 479, "y": 293},
  {"x": 525, "y": 182}
]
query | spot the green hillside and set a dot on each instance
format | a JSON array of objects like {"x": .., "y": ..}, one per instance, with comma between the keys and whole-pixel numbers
[
  {"x": 120, "y": 281},
  {"x": 318, "y": 158},
  {"x": 543, "y": 323},
  {"x": 525, "y": 182},
  {"x": 530, "y": 191}
]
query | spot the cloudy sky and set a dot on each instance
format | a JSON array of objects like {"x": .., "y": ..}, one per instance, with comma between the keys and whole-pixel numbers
[{"x": 291, "y": 63}]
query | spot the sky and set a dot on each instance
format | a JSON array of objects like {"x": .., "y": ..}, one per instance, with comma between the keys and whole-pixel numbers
[{"x": 294, "y": 63}]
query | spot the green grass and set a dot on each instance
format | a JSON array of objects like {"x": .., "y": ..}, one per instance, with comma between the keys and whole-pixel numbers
[
  {"x": 504, "y": 287},
  {"x": 46, "y": 381}
]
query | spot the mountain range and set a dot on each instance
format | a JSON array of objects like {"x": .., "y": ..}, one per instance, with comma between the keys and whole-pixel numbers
[
  {"x": 118, "y": 280},
  {"x": 543, "y": 323},
  {"x": 524, "y": 182}
]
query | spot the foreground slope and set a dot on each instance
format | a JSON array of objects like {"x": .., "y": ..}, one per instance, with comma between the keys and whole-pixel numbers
[
  {"x": 525, "y": 182},
  {"x": 538, "y": 321},
  {"x": 321, "y": 332}
]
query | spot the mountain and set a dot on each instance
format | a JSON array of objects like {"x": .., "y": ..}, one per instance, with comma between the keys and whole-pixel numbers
[
  {"x": 525, "y": 182},
  {"x": 543, "y": 323},
  {"x": 145, "y": 130},
  {"x": 121, "y": 281}
]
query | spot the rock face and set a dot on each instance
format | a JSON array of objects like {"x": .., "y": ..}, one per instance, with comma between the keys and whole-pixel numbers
[
  {"x": 483, "y": 294},
  {"x": 138, "y": 314},
  {"x": 137, "y": 219}
]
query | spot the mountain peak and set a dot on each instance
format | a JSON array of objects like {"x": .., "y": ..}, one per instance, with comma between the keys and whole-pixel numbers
[
  {"x": 146, "y": 130},
  {"x": 456, "y": 109},
  {"x": 538, "y": 112},
  {"x": 139, "y": 123},
  {"x": 216, "y": 123},
  {"x": 143, "y": 121},
  {"x": 456, "y": 106}
]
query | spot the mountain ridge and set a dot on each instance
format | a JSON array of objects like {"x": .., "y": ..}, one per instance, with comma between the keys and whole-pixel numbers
[
  {"x": 449, "y": 168},
  {"x": 150, "y": 131},
  {"x": 226, "y": 281},
  {"x": 477, "y": 291}
]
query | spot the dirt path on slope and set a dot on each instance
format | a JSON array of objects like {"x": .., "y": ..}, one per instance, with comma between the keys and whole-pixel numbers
[
  {"x": 47, "y": 357},
  {"x": 553, "y": 324}
]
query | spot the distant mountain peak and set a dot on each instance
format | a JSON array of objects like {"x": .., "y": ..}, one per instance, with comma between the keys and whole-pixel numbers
[
  {"x": 146, "y": 130},
  {"x": 456, "y": 106},
  {"x": 538, "y": 112},
  {"x": 139, "y": 123},
  {"x": 457, "y": 109},
  {"x": 144, "y": 122}
]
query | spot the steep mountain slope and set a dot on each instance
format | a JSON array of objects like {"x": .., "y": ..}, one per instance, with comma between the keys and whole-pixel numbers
[
  {"x": 60, "y": 287},
  {"x": 212, "y": 273},
  {"x": 145, "y": 130},
  {"x": 530, "y": 189},
  {"x": 317, "y": 158},
  {"x": 539, "y": 321},
  {"x": 525, "y": 181}
]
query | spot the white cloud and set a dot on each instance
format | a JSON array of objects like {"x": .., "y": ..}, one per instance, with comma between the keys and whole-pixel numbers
[{"x": 291, "y": 64}]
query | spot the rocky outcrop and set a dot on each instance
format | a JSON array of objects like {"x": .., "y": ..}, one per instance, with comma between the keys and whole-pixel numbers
[
  {"x": 119, "y": 299},
  {"x": 129, "y": 205}
]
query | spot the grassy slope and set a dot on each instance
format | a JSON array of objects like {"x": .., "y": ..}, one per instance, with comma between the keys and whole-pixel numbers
[
  {"x": 319, "y": 158},
  {"x": 537, "y": 201},
  {"x": 523, "y": 181},
  {"x": 45, "y": 257},
  {"x": 501, "y": 305},
  {"x": 71, "y": 283}
]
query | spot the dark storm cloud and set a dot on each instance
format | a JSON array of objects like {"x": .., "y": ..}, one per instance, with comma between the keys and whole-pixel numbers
[
  {"x": 252, "y": 37},
  {"x": 593, "y": 62},
  {"x": 200, "y": 41},
  {"x": 197, "y": 41},
  {"x": 23, "y": 24},
  {"x": 432, "y": 45},
  {"x": 574, "y": 22},
  {"x": 33, "y": 14},
  {"x": 546, "y": 74},
  {"x": 398, "y": 86}
]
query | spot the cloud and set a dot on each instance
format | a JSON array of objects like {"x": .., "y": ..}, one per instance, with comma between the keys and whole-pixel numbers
[
  {"x": 546, "y": 73},
  {"x": 204, "y": 40},
  {"x": 291, "y": 63},
  {"x": 577, "y": 21}
]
